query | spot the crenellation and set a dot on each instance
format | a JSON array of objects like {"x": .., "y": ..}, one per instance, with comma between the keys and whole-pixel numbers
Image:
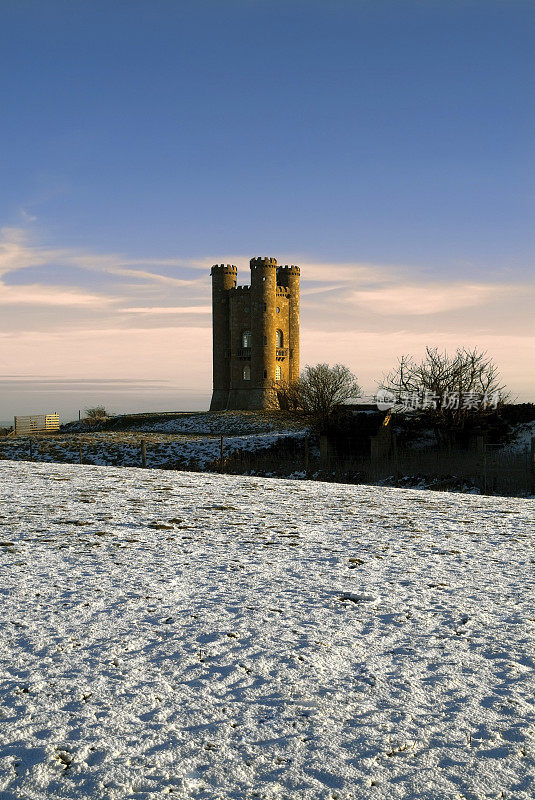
[
  {"x": 219, "y": 269},
  {"x": 261, "y": 263}
]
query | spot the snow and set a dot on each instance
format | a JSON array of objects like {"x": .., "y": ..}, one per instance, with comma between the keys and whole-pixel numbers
[
  {"x": 163, "y": 450},
  {"x": 227, "y": 423},
  {"x": 215, "y": 636},
  {"x": 524, "y": 433},
  {"x": 188, "y": 440}
]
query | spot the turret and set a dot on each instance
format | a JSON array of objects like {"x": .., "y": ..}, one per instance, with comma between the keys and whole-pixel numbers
[
  {"x": 264, "y": 291},
  {"x": 224, "y": 277},
  {"x": 289, "y": 276}
]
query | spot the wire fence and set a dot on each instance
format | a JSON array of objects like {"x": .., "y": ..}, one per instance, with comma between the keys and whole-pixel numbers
[{"x": 490, "y": 469}]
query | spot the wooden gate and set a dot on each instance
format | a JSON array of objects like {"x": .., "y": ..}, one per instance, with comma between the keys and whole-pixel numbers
[{"x": 36, "y": 423}]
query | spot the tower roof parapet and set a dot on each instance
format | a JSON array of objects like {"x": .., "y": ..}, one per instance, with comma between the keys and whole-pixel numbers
[
  {"x": 264, "y": 261},
  {"x": 224, "y": 268},
  {"x": 289, "y": 270}
]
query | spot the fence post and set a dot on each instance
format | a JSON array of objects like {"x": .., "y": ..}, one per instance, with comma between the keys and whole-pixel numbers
[
  {"x": 532, "y": 465},
  {"x": 80, "y": 453},
  {"x": 221, "y": 455},
  {"x": 143, "y": 453},
  {"x": 306, "y": 456},
  {"x": 31, "y": 450},
  {"x": 326, "y": 452}
]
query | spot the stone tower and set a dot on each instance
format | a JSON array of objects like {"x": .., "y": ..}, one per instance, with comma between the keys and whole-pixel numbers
[{"x": 255, "y": 334}]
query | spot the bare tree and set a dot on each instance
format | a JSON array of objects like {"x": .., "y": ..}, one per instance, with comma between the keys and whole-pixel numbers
[
  {"x": 96, "y": 414},
  {"x": 448, "y": 389},
  {"x": 323, "y": 388}
]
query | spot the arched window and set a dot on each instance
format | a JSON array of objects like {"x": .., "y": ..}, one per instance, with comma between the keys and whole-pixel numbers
[
  {"x": 277, "y": 372},
  {"x": 246, "y": 373},
  {"x": 279, "y": 338},
  {"x": 246, "y": 339}
]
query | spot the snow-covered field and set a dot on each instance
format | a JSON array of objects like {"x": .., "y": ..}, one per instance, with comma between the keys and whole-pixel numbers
[
  {"x": 205, "y": 423},
  {"x": 226, "y": 423},
  {"x": 214, "y": 636},
  {"x": 194, "y": 451}
]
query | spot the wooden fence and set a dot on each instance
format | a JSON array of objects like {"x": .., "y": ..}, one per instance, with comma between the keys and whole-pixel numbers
[
  {"x": 492, "y": 469},
  {"x": 36, "y": 423}
]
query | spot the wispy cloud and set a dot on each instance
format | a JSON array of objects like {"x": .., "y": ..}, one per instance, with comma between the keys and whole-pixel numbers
[
  {"x": 351, "y": 273},
  {"x": 36, "y": 295},
  {"x": 151, "y": 276},
  {"x": 408, "y": 300},
  {"x": 168, "y": 310},
  {"x": 359, "y": 313},
  {"x": 17, "y": 252},
  {"x": 322, "y": 289},
  {"x": 13, "y": 250}
]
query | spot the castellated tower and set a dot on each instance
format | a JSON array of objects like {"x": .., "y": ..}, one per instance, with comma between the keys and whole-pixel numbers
[{"x": 255, "y": 334}]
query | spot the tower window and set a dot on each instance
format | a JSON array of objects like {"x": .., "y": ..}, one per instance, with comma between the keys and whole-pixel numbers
[
  {"x": 246, "y": 373},
  {"x": 279, "y": 338},
  {"x": 265, "y": 306},
  {"x": 265, "y": 373},
  {"x": 246, "y": 339},
  {"x": 265, "y": 339},
  {"x": 277, "y": 373}
]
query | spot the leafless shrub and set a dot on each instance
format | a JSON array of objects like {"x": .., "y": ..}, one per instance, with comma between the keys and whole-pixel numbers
[
  {"x": 322, "y": 389},
  {"x": 448, "y": 389},
  {"x": 96, "y": 414}
]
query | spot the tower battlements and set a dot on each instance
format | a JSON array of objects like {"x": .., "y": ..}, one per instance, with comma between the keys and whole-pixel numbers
[
  {"x": 255, "y": 334},
  {"x": 289, "y": 270},
  {"x": 258, "y": 262},
  {"x": 224, "y": 269}
]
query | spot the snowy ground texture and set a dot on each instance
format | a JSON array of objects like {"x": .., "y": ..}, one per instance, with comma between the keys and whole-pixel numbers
[
  {"x": 124, "y": 449},
  {"x": 227, "y": 423},
  {"x": 522, "y": 439},
  {"x": 214, "y": 636},
  {"x": 184, "y": 441}
]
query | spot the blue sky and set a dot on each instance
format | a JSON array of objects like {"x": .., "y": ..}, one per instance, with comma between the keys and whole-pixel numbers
[{"x": 387, "y": 147}]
